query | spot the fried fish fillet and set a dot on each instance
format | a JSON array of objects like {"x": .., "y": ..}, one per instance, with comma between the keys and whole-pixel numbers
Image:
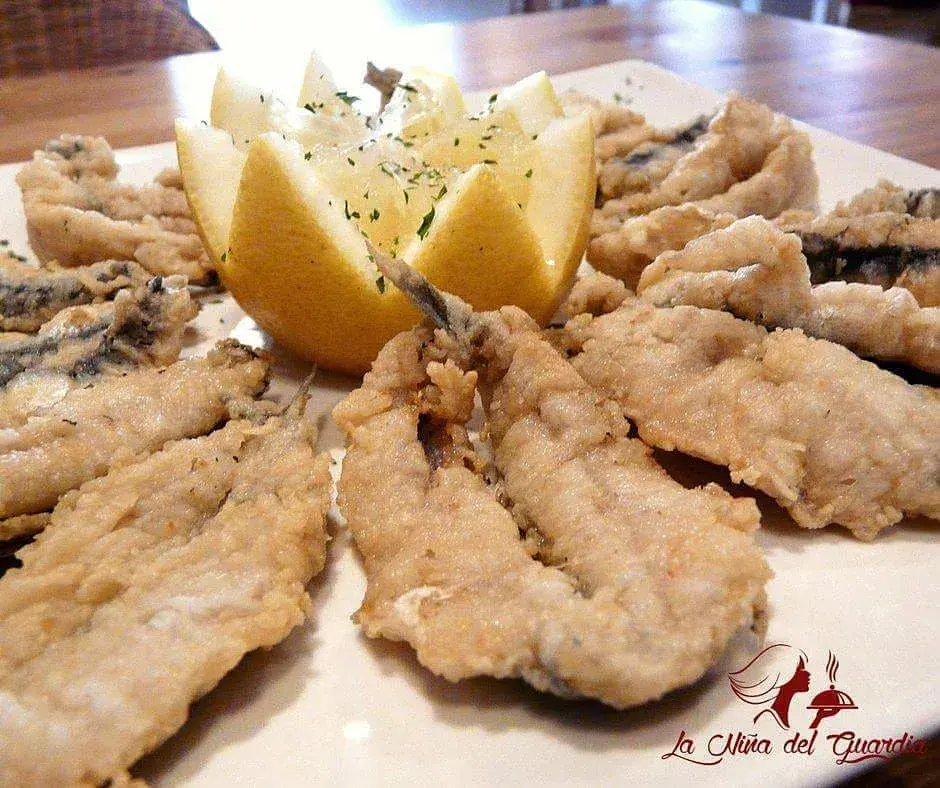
[
  {"x": 148, "y": 586},
  {"x": 757, "y": 272},
  {"x": 78, "y": 213},
  {"x": 623, "y": 586},
  {"x": 617, "y": 130},
  {"x": 750, "y": 160},
  {"x": 90, "y": 429},
  {"x": 833, "y": 438},
  {"x": 141, "y": 325},
  {"x": 30, "y": 296},
  {"x": 886, "y": 248},
  {"x": 887, "y": 196},
  {"x": 633, "y": 244}
]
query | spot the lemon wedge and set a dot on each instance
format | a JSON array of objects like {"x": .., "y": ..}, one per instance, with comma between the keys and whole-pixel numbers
[{"x": 493, "y": 207}]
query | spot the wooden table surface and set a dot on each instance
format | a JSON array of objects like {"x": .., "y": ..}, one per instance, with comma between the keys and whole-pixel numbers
[{"x": 875, "y": 90}]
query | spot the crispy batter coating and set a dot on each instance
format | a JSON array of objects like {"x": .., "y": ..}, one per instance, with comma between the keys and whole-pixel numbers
[
  {"x": 617, "y": 129},
  {"x": 625, "y": 248},
  {"x": 887, "y": 196},
  {"x": 82, "y": 432},
  {"x": 757, "y": 272},
  {"x": 143, "y": 325},
  {"x": 831, "y": 437},
  {"x": 148, "y": 586},
  {"x": 739, "y": 165},
  {"x": 608, "y": 579},
  {"x": 30, "y": 296},
  {"x": 749, "y": 161},
  {"x": 889, "y": 248},
  {"x": 78, "y": 213}
]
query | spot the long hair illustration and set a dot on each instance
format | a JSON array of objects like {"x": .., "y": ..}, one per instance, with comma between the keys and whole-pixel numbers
[{"x": 773, "y": 677}]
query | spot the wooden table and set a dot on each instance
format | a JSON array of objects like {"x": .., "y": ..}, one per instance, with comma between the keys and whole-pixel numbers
[{"x": 879, "y": 91}]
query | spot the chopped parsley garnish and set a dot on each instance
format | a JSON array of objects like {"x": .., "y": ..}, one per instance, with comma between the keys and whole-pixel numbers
[
  {"x": 351, "y": 162},
  {"x": 406, "y": 196},
  {"x": 426, "y": 223},
  {"x": 487, "y": 137},
  {"x": 528, "y": 173},
  {"x": 442, "y": 192},
  {"x": 374, "y": 215},
  {"x": 342, "y": 95},
  {"x": 456, "y": 141},
  {"x": 262, "y": 98},
  {"x": 492, "y": 99},
  {"x": 535, "y": 136},
  {"x": 307, "y": 156},
  {"x": 380, "y": 284},
  {"x": 408, "y": 88},
  {"x": 313, "y": 107},
  {"x": 223, "y": 256},
  {"x": 489, "y": 161},
  {"x": 386, "y": 170}
]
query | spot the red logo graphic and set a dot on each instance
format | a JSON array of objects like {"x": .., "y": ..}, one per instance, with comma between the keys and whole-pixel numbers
[
  {"x": 774, "y": 679},
  {"x": 830, "y": 702},
  {"x": 778, "y": 673},
  {"x": 775, "y": 675}
]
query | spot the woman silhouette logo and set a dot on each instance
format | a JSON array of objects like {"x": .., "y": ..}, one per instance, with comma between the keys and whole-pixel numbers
[{"x": 774, "y": 676}]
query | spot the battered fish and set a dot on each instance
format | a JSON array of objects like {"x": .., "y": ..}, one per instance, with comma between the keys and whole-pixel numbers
[
  {"x": 609, "y": 580},
  {"x": 887, "y": 248},
  {"x": 148, "y": 586},
  {"x": 625, "y": 248},
  {"x": 757, "y": 272},
  {"x": 887, "y": 196},
  {"x": 750, "y": 161},
  {"x": 831, "y": 437},
  {"x": 115, "y": 418},
  {"x": 77, "y": 213},
  {"x": 30, "y": 296},
  {"x": 646, "y": 165},
  {"x": 617, "y": 130},
  {"x": 143, "y": 325}
]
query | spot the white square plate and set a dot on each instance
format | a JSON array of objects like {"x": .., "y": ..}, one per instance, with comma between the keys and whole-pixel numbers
[{"x": 329, "y": 707}]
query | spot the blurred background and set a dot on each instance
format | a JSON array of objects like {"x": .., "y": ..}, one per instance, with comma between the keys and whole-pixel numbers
[{"x": 39, "y": 36}]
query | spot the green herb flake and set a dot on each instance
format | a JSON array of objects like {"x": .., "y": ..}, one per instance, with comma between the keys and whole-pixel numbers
[
  {"x": 528, "y": 173},
  {"x": 426, "y": 223},
  {"x": 406, "y": 196},
  {"x": 307, "y": 156},
  {"x": 492, "y": 99},
  {"x": 346, "y": 209},
  {"x": 374, "y": 215},
  {"x": 489, "y": 161},
  {"x": 342, "y": 95},
  {"x": 380, "y": 284},
  {"x": 351, "y": 162},
  {"x": 442, "y": 192},
  {"x": 456, "y": 141}
]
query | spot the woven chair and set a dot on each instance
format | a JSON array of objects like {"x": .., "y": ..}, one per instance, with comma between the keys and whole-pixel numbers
[{"x": 38, "y": 36}]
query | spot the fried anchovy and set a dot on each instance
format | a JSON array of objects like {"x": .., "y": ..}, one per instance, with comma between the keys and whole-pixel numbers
[
  {"x": 118, "y": 416},
  {"x": 873, "y": 240},
  {"x": 78, "y": 213},
  {"x": 831, "y": 437},
  {"x": 148, "y": 586},
  {"x": 650, "y": 162},
  {"x": 757, "y": 272},
  {"x": 626, "y": 585},
  {"x": 141, "y": 325},
  {"x": 30, "y": 296}
]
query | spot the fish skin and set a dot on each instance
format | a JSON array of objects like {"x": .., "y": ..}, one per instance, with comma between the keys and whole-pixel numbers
[
  {"x": 759, "y": 273},
  {"x": 148, "y": 586},
  {"x": 143, "y": 325},
  {"x": 30, "y": 296},
  {"x": 118, "y": 416}
]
